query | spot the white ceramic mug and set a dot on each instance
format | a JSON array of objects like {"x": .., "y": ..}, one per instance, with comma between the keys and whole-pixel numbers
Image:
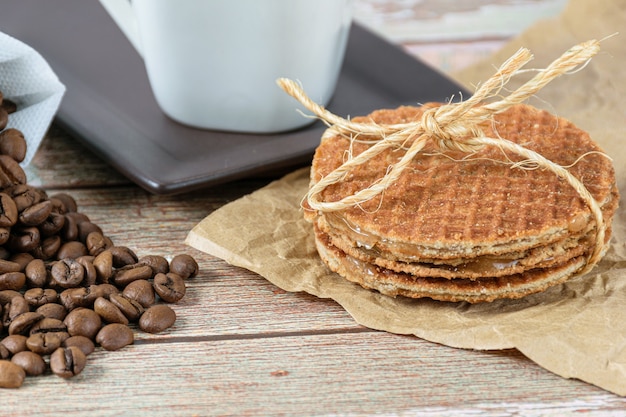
[{"x": 213, "y": 64}]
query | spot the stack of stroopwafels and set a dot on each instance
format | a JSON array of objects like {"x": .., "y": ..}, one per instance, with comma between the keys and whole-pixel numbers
[{"x": 458, "y": 226}]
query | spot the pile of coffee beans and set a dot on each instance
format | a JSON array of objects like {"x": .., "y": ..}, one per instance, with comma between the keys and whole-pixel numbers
[{"x": 65, "y": 287}]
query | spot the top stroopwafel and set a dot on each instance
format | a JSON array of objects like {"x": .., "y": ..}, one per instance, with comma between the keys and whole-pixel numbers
[{"x": 458, "y": 205}]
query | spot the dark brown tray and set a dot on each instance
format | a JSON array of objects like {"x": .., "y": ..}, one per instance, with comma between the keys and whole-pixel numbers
[{"x": 109, "y": 106}]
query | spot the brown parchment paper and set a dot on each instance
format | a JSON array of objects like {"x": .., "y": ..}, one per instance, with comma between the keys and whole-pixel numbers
[{"x": 576, "y": 330}]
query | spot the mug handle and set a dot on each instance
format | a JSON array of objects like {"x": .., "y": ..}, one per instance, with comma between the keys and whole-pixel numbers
[{"x": 122, "y": 13}]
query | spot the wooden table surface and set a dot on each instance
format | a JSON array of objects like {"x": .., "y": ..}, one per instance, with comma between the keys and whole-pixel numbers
[{"x": 242, "y": 346}]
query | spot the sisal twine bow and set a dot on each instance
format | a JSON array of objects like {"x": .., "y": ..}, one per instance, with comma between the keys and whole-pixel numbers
[{"x": 452, "y": 126}]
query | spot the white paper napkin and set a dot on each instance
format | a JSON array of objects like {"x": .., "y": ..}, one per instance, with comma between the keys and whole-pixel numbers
[{"x": 27, "y": 79}]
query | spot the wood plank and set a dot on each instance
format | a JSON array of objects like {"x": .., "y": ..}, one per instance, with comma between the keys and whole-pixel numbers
[{"x": 331, "y": 374}]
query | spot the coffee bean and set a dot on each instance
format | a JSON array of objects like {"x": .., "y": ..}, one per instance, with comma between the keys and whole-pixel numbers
[
  {"x": 130, "y": 308},
  {"x": 9, "y": 106},
  {"x": 124, "y": 276},
  {"x": 23, "y": 323},
  {"x": 184, "y": 265},
  {"x": 67, "y": 362},
  {"x": 170, "y": 287},
  {"x": 13, "y": 308},
  {"x": 11, "y": 173},
  {"x": 103, "y": 263},
  {"x": 83, "y": 321},
  {"x": 48, "y": 247},
  {"x": 115, "y": 336},
  {"x": 72, "y": 250},
  {"x": 109, "y": 312},
  {"x": 96, "y": 243},
  {"x": 43, "y": 343},
  {"x": 69, "y": 231},
  {"x": 13, "y": 144},
  {"x": 52, "y": 225},
  {"x": 157, "y": 318},
  {"x": 14, "y": 343},
  {"x": 83, "y": 343},
  {"x": 36, "y": 273},
  {"x": 4, "y": 352},
  {"x": 7, "y": 295},
  {"x": 9, "y": 266},
  {"x": 85, "y": 228},
  {"x": 25, "y": 195},
  {"x": 68, "y": 202},
  {"x": 140, "y": 291},
  {"x": 8, "y": 211},
  {"x": 32, "y": 363},
  {"x": 53, "y": 311},
  {"x": 24, "y": 239},
  {"x": 12, "y": 281},
  {"x": 22, "y": 259},
  {"x": 36, "y": 297},
  {"x": 158, "y": 263},
  {"x": 123, "y": 256},
  {"x": 91, "y": 275},
  {"x": 67, "y": 273},
  {"x": 11, "y": 375},
  {"x": 36, "y": 214},
  {"x": 4, "y": 117}
]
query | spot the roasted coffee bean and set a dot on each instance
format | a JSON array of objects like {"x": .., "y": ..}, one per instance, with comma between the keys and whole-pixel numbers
[
  {"x": 48, "y": 247},
  {"x": 157, "y": 318},
  {"x": 115, "y": 336},
  {"x": 96, "y": 243},
  {"x": 44, "y": 343},
  {"x": 68, "y": 202},
  {"x": 32, "y": 363},
  {"x": 49, "y": 325},
  {"x": 23, "y": 323},
  {"x": 9, "y": 105},
  {"x": 11, "y": 173},
  {"x": 8, "y": 211},
  {"x": 4, "y": 352},
  {"x": 13, "y": 144},
  {"x": 184, "y": 265},
  {"x": 123, "y": 256},
  {"x": 83, "y": 343},
  {"x": 5, "y": 234},
  {"x": 67, "y": 273},
  {"x": 72, "y": 250},
  {"x": 36, "y": 214},
  {"x": 11, "y": 375},
  {"x": 12, "y": 281},
  {"x": 72, "y": 298},
  {"x": 9, "y": 266},
  {"x": 104, "y": 266},
  {"x": 91, "y": 275},
  {"x": 140, "y": 291},
  {"x": 130, "y": 308},
  {"x": 24, "y": 239},
  {"x": 170, "y": 287},
  {"x": 25, "y": 196},
  {"x": 109, "y": 312},
  {"x": 84, "y": 228},
  {"x": 67, "y": 362},
  {"x": 158, "y": 263},
  {"x": 4, "y": 117},
  {"x": 36, "y": 273},
  {"x": 14, "y": 307},
  {"x": 22, "y": 259},
  {"x": 83, "y": 321},
  {"x": 53, "y": 311},
  {"x": 14, "y": 343},
  {"x": 36, "y": 297},
  {"x": 7, "y": 295},
  {"x": 124, "y": 276},
  {"x": 52, "y": 225},
  {"x": 69, "y": 231}
]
